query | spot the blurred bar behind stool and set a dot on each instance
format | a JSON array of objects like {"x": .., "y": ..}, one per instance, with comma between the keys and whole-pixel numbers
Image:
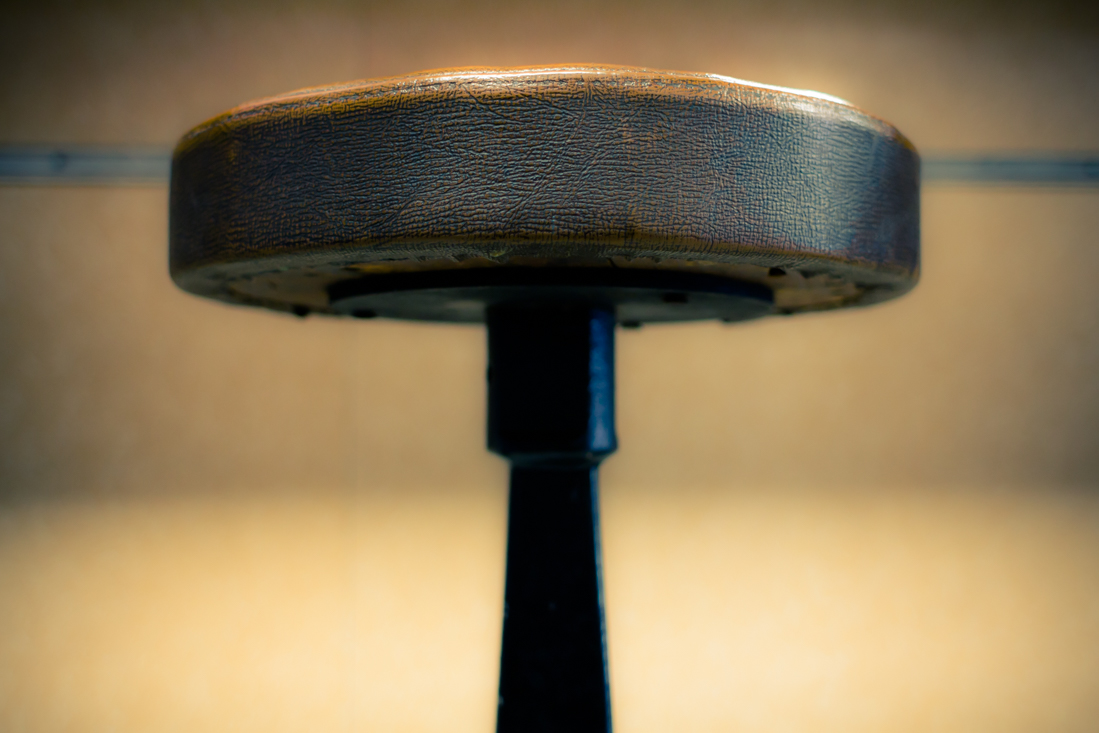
[{"x": 64, "y": 165}]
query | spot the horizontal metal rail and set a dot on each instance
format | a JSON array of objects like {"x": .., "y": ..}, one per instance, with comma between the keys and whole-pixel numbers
[
  {"x": 64, "y": 165},
  {"x": 1012, "y": 170},
  {"x": 84, "y": 166}
]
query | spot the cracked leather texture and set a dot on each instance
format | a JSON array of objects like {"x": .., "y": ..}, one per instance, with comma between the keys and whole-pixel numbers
[{"x": 569, "y": 165}]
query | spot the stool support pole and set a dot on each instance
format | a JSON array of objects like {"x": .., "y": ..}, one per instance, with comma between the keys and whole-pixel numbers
[{"x": 551, "y": 413}]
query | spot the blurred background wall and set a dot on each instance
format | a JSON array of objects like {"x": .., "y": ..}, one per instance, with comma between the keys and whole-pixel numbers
[{"x": 220, "y": 519}]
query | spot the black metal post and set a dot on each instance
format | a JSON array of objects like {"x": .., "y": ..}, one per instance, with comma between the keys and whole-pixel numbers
[{"x": 551, "y": 413}]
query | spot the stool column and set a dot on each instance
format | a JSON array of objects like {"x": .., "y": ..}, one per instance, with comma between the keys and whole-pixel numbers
[{"x": 551, "y": 413}]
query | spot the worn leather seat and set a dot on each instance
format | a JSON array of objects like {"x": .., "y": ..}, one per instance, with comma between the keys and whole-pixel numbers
[{"x": 671, "y": 196}]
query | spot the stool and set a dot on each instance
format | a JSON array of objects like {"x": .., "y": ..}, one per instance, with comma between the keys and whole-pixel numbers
[{"x": 551, "y": 204}]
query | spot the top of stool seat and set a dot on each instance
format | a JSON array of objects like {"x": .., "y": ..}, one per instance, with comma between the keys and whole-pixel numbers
[{"x": 426, "y": 196}]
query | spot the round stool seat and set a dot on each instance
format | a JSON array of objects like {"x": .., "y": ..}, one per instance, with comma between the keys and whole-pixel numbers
[{"x": 663, "y": 195}]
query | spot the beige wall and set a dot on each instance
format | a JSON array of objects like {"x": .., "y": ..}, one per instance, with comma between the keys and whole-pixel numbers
[{"x": 221, "y": 519}]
